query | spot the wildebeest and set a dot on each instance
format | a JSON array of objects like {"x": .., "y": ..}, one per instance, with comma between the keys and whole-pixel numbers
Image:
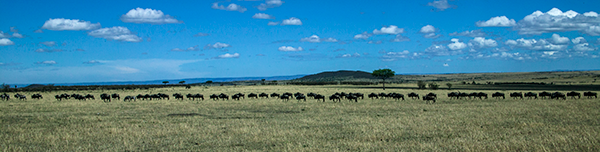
[
  {"x": 253, "y": 95},
  {"x": 284, "y": 97},
  {"x": 223, "y": 96},
  {"x": 89, "y": 96},
  {"x": 297, "y": 94},
  {"x": 140, "y": 96},
  {"x": 351, "y": 97},
  {"x": 429, "y": 98},
  {"x": 452, "y": 95},
  {"x": 261, "y": 95},
  {"x": 37, "y": 96},
  {"x": 383, "y": 95},
  {"x": 214, "y": 97},
  {"x": 413, "y": 95},
  {"x": 188, "y": 87},
  {"x": 235, "y": 97},
  {"x": 275, "y": 95},
  {"x": 589, "y": 94},
  {"x": 5, "y": 96},
  {"x": 179, "y": 96},
  {"x": 558, "y": 95},
  {"x": 481, "y": 94},
  {"x": 373, "y": 95},
  {"x": 545, "y": 94},
  {"x": 114, "y": 95},
  {"x": 301, "y": 97},
  {"x": 105, "y": 97},
  {"x": 241, "y": 95},
  {"x": 572, "y": 94},
  {"x": 311, "y": 95},
  {"x": 129, "y": 98},
  {"x": 397, "y": 96},
  {"x": 318, "y": 96},
  {"x": 516, "y": 95},
  {"x": 335, "y": 97},
  {"x": 530, "y": 95},
  {"x": 432, "y": 95}
]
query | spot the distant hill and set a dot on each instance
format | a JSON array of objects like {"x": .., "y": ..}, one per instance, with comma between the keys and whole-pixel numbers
[{"x": 341, "y": 75}]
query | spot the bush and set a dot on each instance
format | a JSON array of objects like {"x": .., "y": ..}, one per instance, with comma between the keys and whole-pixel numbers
[
  {"x": 433, "y": 86},
  {"x": 422, "y": 85}
]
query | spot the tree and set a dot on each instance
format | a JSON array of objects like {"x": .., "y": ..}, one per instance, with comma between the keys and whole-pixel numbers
[
  {"x": 5, "y": 87},
  {"x": 165, "y": 82},
  {"x": 449, "y": 85},
  {"x": 209, "y": 82},
  {"x": 422, "y": 85},
  {"x": 383, "y": 74},
  {"x": 181, "y": 82},
  {"x": 263, "y": 81},
  {"x": 433, "y": 86}
]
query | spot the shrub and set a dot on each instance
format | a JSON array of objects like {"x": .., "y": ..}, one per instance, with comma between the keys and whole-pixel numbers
[
  {"x": 433, "y": 86},
  {"x": 422, "y": 85}
]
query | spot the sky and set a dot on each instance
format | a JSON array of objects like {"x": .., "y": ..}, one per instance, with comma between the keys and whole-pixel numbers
[{"x": 75, "y": 41}]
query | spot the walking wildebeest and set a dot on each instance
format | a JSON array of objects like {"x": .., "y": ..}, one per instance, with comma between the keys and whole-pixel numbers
[
  {"x": 318, "y": 96},
  {"x": 129, "y": 98},
  {"x": 545, "y": 94},
  {"x": 114, "y": 95},
  {"x": 284, "y": 97},
  {"x": 253, "y": 95},
  {"x": 589, "y": 94},
  {"x": 223, "y": 96},
  {"x": 373, "y": 95},
  {"x": 498, "y": 95},
  {"x": 429, "y": 98},
  {"x": 558, "y": 95},
  {"x": 214, "y": 97},
  {"x": 413, "y": 95},
  {"x": 335, "y": 97},
  {"x": 529, "y": 95},
  {"x": 572, "y": 94},
  {"x": 275, "y": 95},
  {"x": 37, "y": 96},
  {"x": 516, "y": 95},
  {"x": 105, "y": 97},
  {"x": 89, "y": 96},
  {"x": 261, "y": 95}
]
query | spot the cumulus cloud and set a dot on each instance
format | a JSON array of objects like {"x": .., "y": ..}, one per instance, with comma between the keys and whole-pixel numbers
[
  {"x": 91, "y": 62},
  {"x": 355, "y": 55},
  {"x": 289, "y": 49},
  {"x": 291, "y": 21},
  {"x": 557, "y": 21},
  {"x": 4, "y": 35},
  {"x": 262, "y": 16},
  {"x": 428, "y": 29},
  {"x": 269, "y": 4},
  {"x": 446, "y": 64},
  {"x": 217, "y": 45},
  {"x": 533, "y": 44},
  {"x": 316, "y": 39},
  {"x": 5, "y": 42},
  {"x": 46, "y": 62},
  {"x": 193, "y": 48},
  {"x": 363, "y": 35},
  {"x": 200, "y": 34},
  {"x": 481, "y": 42},
  {"x": 393, "y": 56},
  {"x": 117, "y": 33},
  {"x": 501, "y": 55},
  {"x": 48, "y": 50},
  {"x": 392, "y": 30},
  {"x": 557, "y": 39},
  {"x": 140, "y": 15},
  {"x": 17, "y": 35},
  {"x": 375, "y": 42},
  {"x": 498, "y": 21},
  {"x": 583, "y": 47},
  {"x": 441, "y": 5},
  {"x": 61, "y": 24},
  {"x": 227, "y": 55},
  {"x": 578, "y": 40},
  {"x": 230, "y": 7},
  {"x": 432, "y": 36},
  {"x": 48, "y": 43},
  {"x": 456, "y": 44},
  {"x": 441, "y": 50},
  {"x": 473, "y": 33},
  {"x": 400, "y": 38},
  {"x": 272, "y": 23}
]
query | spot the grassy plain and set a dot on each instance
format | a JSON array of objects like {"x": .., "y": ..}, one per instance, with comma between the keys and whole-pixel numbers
[{"x": 273, "y": 125}]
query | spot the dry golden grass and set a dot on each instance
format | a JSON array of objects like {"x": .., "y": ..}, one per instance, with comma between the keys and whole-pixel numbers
[{"x": 273, "y": 125}]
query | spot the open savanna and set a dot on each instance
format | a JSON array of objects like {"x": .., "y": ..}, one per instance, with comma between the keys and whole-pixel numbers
[{"x": 272, "y": 125}]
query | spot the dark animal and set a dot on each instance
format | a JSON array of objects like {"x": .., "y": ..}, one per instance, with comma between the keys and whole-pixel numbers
[
  {"x": 241, "y": 95},
  {"x": 481, "y": 94},
  {"x": 253, "y": 95},
  {"x": 311, "y": 95},
  {"x": 589, "y": 94},
  {"x": 572, "y": 94},
  {"x": 223, "y": 96},
  {"x": 5, "y": 97},
  {"x": 516, "y": 95},
  {"x": 545, "y": 94},
  {"x": 301, "y": 97},
  {"x": 89, "y": 96},
  {"x": 530, "y": 95},
  {"x": 261, "y": 95},
  {"x": 114, "y": 95},
  {"x": 235, "y": 97},
  {"x": 558, "y": 95},
  {"x": 129, "y": 98},
  {"x": 179, "y": 96},
  {"x": 37, "y": 96},
  {"x": 318, "y": 97},
  {"x": 275, "y": 95},
  {"x": 452, "y": 95},
  {"x": 413, "y": 95},
  {"x": 188, "y": 87},
  {"x": 432, "y": 95},
  {"x": 214, "y": 97},
  {"x": 105, "y": 97},
  {"x": 284, "y": 97},
  {"x": 397, "y": 96},
  {"x": 352, "y": 97},
  {"x": 372, "y": 96},
  {"x": 428, "y": 99},
  {"x": 335, "y": 97},
  {"x": 140, "y": 96}
]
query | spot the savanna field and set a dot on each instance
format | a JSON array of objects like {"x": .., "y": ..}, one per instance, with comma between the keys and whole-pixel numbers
[{"x": 273, "y": 125}]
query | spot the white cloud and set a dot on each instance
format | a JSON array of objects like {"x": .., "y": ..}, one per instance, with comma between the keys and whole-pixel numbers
[
  {"x": 140, "y": 15},
  {"x": 432, "y": 35},
  {"x": 498, "y": 21},
  {"x": 5, "y": 42},
  {"x": 456, "y": 44},
  {"x": 473, "y": 33},
  {"x": 193, "y": 48},
  {"x": 4, "y": 35},
  {"x": 262, "y": 16},
  {"x": 393, "y": 56},
  {"x": 269, "y": 4},
  {"x": 200, "y": 34},
  {"x": 557, "y": 21},
  {"x": 441, "y": 5},
  {"x": 428, "y": 29},
  {"x": 61, "y": 24},
  {"x": 533, "y": 44},
  {"x": 400, "y": 38},
  {"x": 316, "y": 39},
  {"x": 557, "y": 39},
  {"x": 392, "y": 29},
  {"x": 14, "y": 29},
  {"x": 91, "y": 62},
  {"x": 48, "y": 43},
  {"x": 446, "y": 64},
  {"x": 230, "y": 7},
  {"x": 355, "y": 55},
  {"x": 578, "y": 40},
  {"x": 375, "y": 42},
  {"x": 48, "y": 50},
  {"x": 289, "y": 49},
  {"x": 46, "y": 62},
  {"x": 291, "y": 21},
  {"x": 217, "y": 45},
  {"x": 17, "y": 35},
  {"x": 117, "y": 33},
  {"x": 364, "y": 35},
  {"x": 481, "y": 42},
  {"x": 227, "y": 55},
  {"x": 583, "y": 47},
  {"x": 441, "y": 50},
  {"x": 273, "y": 23}
]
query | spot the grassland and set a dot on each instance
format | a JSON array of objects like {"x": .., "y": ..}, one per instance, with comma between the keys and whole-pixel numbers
[{"x": 273, "y": 125}]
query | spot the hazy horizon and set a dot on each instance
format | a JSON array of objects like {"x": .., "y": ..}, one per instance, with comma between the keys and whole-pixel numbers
[{"x": 71, "y": 42}]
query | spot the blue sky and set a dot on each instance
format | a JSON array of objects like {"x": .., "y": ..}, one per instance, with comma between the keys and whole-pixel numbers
[{"x": 92, "y": 41}]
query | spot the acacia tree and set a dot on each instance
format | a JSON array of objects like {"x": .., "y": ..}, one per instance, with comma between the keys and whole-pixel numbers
[{"x": 383, "y": 74}]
